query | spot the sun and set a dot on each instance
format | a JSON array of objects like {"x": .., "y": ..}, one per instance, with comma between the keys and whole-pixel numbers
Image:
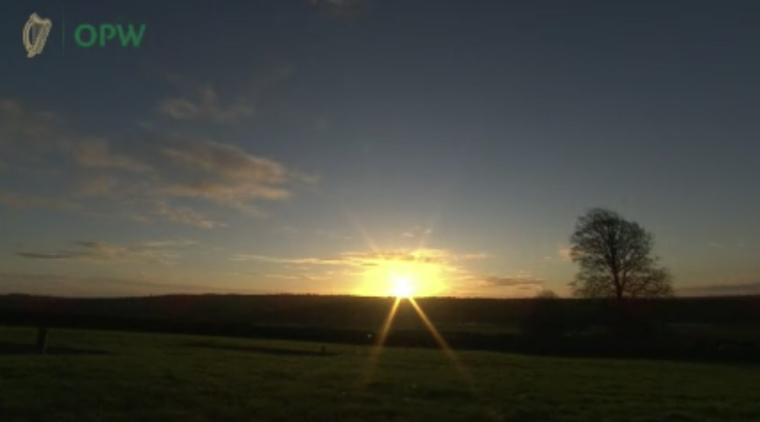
[
  {"x": 401, "y": 277},
  {"x": 402, "y": 286}
]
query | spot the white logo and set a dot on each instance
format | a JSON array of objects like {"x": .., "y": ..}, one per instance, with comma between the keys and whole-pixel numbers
[{"x": 35, "y": 34}]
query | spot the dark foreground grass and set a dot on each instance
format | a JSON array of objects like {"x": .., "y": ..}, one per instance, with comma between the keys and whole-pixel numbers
[{"x": 96, "y": 376}]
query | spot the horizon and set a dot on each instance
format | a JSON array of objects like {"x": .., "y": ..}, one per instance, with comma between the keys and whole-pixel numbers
[
  {"x": 368, "y": 148},
  {"x": 389, "y": 297}
]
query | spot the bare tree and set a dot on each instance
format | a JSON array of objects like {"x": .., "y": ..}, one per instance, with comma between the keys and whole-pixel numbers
[
  {"x": 547, "y": 294},
  {"x": 546, "y": 315},
  {"x": 615, "y": 258}
]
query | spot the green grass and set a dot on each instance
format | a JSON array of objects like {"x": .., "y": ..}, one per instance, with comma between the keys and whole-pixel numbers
[{"x": 149, "y": 377}]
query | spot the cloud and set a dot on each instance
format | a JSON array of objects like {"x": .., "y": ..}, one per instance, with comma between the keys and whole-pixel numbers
[
  {"x": 159, "y": 167},
  {"x": 298, "y": 277},
  {"x": 447, "y": 268},
  {"x": 364, "y": 259},
  {"x": 179, "y": 108},
  {"x": 184, "y": 215},
  {"x": 104, "y": 252},
  {"x": 564, "y": 253},
  {"x": 52, "y": 255},
  {"x": 227, "y": 174},
  {"x": 19, "y": 200},
  {"x": 416, "y": 255},
  {"x": 286, "y": 229},
  {"x": 96, "y": 185},
  {"x": 475, "y": 256},
  {"x": 228, "y": 161},
  {"x": 27, "y": 137},
  {"x": 26, "y": 127},
  {"x": 521, "y": 279},
  {"x": 331, "y": 235},
  {"x": 208, "y": 170},
  {"x": 207, "y": 106},
  {"x": 202, "y": 102},
  {"x": 417, "y": 231},
  {"x": 95, "y": 152},
  {"x": 176, "y": 243},
  {"x": 98, "y": 286},
  {"x": 10, "y": 107},
  {"x": 282, "y": 260},
  {"x": 521, "y": 284},
  {"x": 721, "y": 289}
]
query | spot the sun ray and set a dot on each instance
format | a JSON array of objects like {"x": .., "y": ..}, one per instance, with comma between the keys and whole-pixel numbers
[
  {"x": 360, "y": 228},
  {"x": 448, "y": 351},
  {"x": 405, "y": 288},
  {"x": 377, "y": 348},
  {"x": 428, "y": 232}
]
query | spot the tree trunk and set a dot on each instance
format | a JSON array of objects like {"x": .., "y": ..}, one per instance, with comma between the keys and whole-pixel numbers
[{"x": 619, "y": 293}]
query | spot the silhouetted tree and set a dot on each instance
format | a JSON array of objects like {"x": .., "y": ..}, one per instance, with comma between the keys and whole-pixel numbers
[
  {"x": 546, "y": 315},
  {"x": 546, "y": 294},
  {"x": 615, "y": 258}
]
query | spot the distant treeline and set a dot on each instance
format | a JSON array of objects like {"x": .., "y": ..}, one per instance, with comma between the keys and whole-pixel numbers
[
  {"x": 367, "y": 312},
  {"x": 549, "y": 326}
]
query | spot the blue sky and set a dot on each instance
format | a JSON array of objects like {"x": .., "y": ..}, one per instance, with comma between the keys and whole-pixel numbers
[{"x": 329, "y": 146}]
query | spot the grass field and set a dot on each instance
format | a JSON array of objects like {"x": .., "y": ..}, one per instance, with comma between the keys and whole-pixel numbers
[{"x": 94, "y": 376}]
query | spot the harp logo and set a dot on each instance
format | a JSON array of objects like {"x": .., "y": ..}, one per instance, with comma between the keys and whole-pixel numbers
[{"x": 35, "y": 34}]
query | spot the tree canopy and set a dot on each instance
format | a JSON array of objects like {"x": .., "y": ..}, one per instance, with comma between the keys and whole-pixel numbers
[{"x": 615, "y": 258}]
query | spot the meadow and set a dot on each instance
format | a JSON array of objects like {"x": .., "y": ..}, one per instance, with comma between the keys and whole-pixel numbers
[{"x": 115, "y": 376}]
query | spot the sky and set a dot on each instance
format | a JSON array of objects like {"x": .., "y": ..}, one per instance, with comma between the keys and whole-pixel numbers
[{"x": 347, "y": 146}]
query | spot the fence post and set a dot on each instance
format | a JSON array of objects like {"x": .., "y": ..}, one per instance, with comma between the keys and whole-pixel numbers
[{"x": 42, "y": 333}]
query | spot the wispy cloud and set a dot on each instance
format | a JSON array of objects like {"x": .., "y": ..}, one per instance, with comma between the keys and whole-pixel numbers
[
  {"x": 19, "y": 200},
  {"x": 207, "y": 170},
  {"x": 26, "y": 127},
  {"x": 185, "y": 215},
  {"x": 205, "y": 104},
  {"x": 520, "y": 279},
  {"x": 227, "y": 174},
  {"x": 290, "y": 230},
  {"x": 564, "y": 253},
  {"x": 298, "y": 277},
  {"x": 363, "y": 259},
  {"x": 52, "y": 255},
  {"x": 175, "y": 243},
  {"x": 417, "y": 231},
  {"x": 438, "y": 256},
  {"x": 76, "y": 286},
  {"x": 28, "y": 135},
  {"x": 202, "y": 102},
  {"x": 332, "y": 235},
  {"x": 721, "y": 289},
  {"x": 95, "y": 152},
  {"x": 154, "y": 171},
  {"x": 290, "y": 261},
  {"x": 448, "y": 266},
  {"x": 105, "y": 252},
  {"x": 96, "y": 185},
  {"x": 286, "y": 229}
]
